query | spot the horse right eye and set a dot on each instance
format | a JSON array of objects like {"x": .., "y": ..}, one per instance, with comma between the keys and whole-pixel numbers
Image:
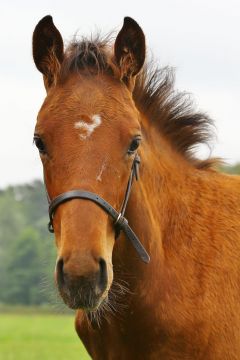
[
  {"x": 39, "y": 144},
  {"x": 134, "y": 145}
]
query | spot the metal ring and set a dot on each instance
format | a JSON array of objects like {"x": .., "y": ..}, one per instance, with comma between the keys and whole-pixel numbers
[
  {"x": 118, "y": 218},
  {"x": 50, "y": 227}
]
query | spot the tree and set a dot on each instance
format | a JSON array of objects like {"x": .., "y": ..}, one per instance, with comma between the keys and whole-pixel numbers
[{"x": 24, "y": 270}]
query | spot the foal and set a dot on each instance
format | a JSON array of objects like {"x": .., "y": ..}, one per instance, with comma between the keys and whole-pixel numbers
[{"x": 102, "y": 111}]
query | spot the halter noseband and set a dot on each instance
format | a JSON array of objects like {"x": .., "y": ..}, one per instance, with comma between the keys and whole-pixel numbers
[{"x": 120, "y": 222}]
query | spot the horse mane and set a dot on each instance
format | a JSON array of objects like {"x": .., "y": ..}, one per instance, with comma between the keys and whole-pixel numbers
[{"x": 172, "y": 112}]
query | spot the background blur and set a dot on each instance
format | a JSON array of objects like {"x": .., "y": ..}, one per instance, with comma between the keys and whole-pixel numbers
[{"x": 199, "y": 38}]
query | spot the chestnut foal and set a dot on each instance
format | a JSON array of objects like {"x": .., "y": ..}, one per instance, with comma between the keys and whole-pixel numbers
[{"x": 102, "y": 114}]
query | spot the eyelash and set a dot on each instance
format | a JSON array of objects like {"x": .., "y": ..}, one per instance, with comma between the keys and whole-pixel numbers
[
  {"x": 39, "y": 144},
  {"x": 134, "y": 145}
]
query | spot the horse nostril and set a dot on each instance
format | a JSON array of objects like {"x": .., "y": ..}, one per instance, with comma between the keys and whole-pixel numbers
[
  {"x": 60, "y": 272},
  {"x": 102, "y": 274}
]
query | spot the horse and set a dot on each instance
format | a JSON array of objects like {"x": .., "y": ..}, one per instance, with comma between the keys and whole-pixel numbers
[{"x": 152, "y": 267}]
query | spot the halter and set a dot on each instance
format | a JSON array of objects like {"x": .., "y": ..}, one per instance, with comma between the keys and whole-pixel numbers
[{"x": 119, "y": 221}]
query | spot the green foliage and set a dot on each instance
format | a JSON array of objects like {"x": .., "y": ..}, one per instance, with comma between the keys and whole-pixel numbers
[
  {"x": 231, "y": 169},
  {"x": 27, "y": 250},
  {"x": 24, "y": 268}
]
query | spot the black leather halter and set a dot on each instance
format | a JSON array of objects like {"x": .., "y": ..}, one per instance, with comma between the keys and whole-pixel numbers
[{"x": 120, "y": 222}]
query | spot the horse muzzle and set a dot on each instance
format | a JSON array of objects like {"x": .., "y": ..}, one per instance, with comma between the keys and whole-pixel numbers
[{"x": 85, "y": 291}]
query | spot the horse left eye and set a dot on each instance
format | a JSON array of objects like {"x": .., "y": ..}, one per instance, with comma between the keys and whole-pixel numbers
[
  {"x": 39, "y": 144},
  {"x": 134, "y": 145}
]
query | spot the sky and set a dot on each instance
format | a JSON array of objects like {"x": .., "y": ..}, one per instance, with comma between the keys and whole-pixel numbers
[{"x": 199, "y": 38}]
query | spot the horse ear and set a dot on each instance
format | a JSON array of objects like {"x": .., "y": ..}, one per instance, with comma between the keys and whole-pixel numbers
[
  {"x": 129, "y": 50},
  {"x": 47, "y": 50}
]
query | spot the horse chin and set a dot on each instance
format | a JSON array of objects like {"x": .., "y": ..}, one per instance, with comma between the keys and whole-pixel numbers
[{"x": 87, "y": 302}]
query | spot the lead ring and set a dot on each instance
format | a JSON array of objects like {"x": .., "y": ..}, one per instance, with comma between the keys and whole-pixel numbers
[{"x": 118, "y": 218}]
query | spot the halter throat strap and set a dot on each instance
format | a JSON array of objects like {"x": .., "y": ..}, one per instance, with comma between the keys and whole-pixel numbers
[{"x": 119, "y": 221}]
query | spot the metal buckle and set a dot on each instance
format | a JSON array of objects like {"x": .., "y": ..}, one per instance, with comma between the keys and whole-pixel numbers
[{"x": 50, "y": 227}]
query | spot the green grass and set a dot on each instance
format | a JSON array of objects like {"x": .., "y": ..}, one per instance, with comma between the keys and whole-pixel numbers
[{"x": 39, "y": 337}]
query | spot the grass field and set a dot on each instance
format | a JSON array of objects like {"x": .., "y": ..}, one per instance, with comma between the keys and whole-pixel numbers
[{"x": 39, "y": 337}]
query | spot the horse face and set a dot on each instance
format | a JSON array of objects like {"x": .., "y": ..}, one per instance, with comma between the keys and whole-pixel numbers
[
  {"x": 87, "y": 133},
  {"x": 87, "y": 138}
]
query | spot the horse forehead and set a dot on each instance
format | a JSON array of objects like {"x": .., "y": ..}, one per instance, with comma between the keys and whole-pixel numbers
[
  {"x": 93, "y": 94},
  {"x": 87, "y": 107},
  {"x": 76, "y": 105}
]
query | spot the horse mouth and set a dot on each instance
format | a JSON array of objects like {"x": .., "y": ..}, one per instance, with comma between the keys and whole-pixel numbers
[
  {"x": 87, "y": 298},
  {"x": 84, "y": 302}
]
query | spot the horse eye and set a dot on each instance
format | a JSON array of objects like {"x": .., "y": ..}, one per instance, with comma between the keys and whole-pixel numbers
[
  {"x": 39, "y": 144},
  {"x": 134, "y": 145}
]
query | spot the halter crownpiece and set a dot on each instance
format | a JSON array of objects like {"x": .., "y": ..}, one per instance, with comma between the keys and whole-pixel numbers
[{"x": 119, "y": 221}]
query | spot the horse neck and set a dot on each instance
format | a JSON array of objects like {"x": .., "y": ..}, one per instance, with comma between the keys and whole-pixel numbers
[{"x": 154, "y": 204}]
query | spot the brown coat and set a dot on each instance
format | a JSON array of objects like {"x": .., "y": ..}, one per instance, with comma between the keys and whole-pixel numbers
[{"x": 185, "y": 304}]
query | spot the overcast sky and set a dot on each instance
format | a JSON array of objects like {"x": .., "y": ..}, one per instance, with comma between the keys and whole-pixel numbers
[{"x": 200, "y": 38}]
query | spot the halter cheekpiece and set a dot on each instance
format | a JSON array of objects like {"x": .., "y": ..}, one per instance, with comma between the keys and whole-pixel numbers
[{"x": 119, "y": 221}]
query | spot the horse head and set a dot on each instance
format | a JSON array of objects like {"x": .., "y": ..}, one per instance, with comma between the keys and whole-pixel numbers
[{"x": 87, "y": 134}]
